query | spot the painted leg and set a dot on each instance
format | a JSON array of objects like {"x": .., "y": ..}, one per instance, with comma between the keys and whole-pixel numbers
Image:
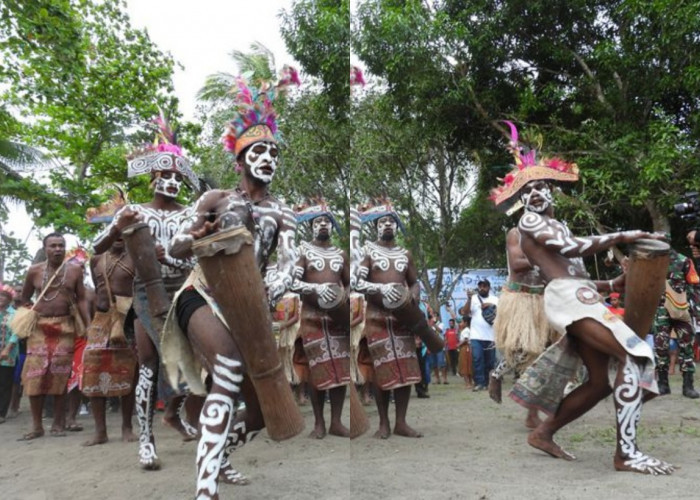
[
  {"x": 214, "y": 422},
  {"x": 401, "y": 428},
  {"x": 145, "y": 405},
  {"x": 628, "y": 406},
  {"x": 337, "y": 428}
]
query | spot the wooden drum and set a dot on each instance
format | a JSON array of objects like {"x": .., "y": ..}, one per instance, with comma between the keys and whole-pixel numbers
[
  {"x": 645, "y": 283},
  {"x": 228, "y": 262},
  {"x": 410, "y": 315}
]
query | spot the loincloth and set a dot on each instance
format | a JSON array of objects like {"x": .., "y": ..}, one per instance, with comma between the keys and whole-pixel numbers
[
  {"x": 392, "y": 348},
  {"x": 542, "y": 385},
  {"x": 181, "y": 364},
  {"x": 49, "y": 356},
  {"x": 108, "y": 370},
  {"x": 327, "y": 349},
  {"x": 521, "y": 325}
]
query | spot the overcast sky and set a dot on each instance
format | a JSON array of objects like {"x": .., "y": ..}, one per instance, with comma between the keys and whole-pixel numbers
[{"x": 200, "y": 35}]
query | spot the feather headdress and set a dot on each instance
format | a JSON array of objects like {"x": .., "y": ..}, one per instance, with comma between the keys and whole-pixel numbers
[
  {"x": 528, "y": 167},
  {"x": 163, "y": 155},
  {"x": 255, "y": 117},
  {"x": 105, "y": 212}
]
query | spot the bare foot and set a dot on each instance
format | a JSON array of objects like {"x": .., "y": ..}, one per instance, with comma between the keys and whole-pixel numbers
[
  {"x": 338, "y": 429},
  {"x": 128, "y": 435},
  {"x": 319, "y": 432},
  {"x": 229, "y": 475},
  {"x": 406, "y": 431},
  {"x": 32, "y": 435},
  {"x": 384, "y": 432},
  {"x": 98, "y": 439},
  {"x": 495, "y": 389},
  {"x": 545, "y": 443},
  {"x": 175, "y": 423},
  {"x": 644, "y": 464},
  {"x": 533, "y": 419},
  {"x": 147, "y": 457}
]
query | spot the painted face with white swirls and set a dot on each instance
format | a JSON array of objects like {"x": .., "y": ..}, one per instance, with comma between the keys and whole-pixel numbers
[
  {"x": 321, "y": 228},
  {"x": 168, "y": 184},
  {"x": 536, "y": 196},
  {"x": 261, "y": 160},
  {"x": 386, "y": 228}
]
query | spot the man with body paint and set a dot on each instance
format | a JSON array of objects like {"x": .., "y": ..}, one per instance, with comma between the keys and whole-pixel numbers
[
  {"x": 322, "y": 273},
  {"x": 617, "y": 360},
  {"x": 168, "y": 169},
  {"x": 196, "y": 321},
  {"x": 389, "y": 344}
]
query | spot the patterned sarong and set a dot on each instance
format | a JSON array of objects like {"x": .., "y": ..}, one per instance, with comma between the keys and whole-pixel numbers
[
  {"x": 49, "y": 356},
  {"x": 327, "y": 349},
  {"x": 542, "y": 385},
  {"x": 393, "y": 351},
  {"x": 108, "y": 371}
]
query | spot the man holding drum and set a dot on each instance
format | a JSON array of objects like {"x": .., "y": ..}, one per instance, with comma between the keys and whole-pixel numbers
[
  {"x": 196, "y": 323},
  {"x": 618, "y": 361},
  {"x": 321, "y": 276},
  {"x": 382, "y": 275}
]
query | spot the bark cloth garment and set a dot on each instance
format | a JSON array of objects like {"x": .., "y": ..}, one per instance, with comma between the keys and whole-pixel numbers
[
  {"x": 566, "y": 301},
  {"x": 521, "y": 328},
  {"x": 108, "y": 367},
  {"x": 392, "y": 351},
  {"x": 180, "y": 362},
  {"x": 288, "y": 335},
  {"x": 326, "y": 346},
  {"x": 357, "y": 309},
  {"x": 49, "y": 356}
]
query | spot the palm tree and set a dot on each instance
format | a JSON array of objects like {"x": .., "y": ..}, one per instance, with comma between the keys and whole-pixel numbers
[{"x": 259, "y": 63}]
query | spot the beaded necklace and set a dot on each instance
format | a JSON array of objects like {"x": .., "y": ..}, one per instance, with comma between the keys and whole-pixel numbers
[{"x": 44, "y": 281}]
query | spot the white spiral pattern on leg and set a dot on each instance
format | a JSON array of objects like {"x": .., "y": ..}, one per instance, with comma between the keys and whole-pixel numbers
[
  {"x": 144, "y": 414},
  {"x": 628, "y": 397},
  {"x": 213, "y": 421}
]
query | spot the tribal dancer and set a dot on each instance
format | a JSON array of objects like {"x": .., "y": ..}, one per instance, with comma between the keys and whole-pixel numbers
[
  {"x": 321, "y": 275},
  {"x": 618, "y": 361},
  {"x": 50, "y": 343},
  {"x": 389, "y": 344},
  {"x": 521, "y": 326},
  {"x": 168, "y": 169},
  {"x": 196, "y": 321}
]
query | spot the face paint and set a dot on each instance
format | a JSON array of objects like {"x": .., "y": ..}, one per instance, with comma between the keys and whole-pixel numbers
[
  {"x": 321, "y": 228},
  {"x": 261, "y": 161},
  {"x": 533, "y": 191},
  {"x": 386, "y": 228},
  {"x": 168, "y": 184}
]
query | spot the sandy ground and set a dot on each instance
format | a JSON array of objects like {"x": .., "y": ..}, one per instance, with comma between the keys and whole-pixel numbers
[{"x": 473, "y": 448}]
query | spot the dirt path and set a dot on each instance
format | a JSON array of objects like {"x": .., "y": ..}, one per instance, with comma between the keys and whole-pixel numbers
[{"x": 472, "y": 448}]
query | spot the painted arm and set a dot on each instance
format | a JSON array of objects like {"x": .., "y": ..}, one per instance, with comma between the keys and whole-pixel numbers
[
  {"x": 125, "y": 217},
  {"x": 198, "y": 223},
  {"x": 286, "y": 256},
  {"x": 553, "y": 235},
  {"x": 369, "y": 288}
]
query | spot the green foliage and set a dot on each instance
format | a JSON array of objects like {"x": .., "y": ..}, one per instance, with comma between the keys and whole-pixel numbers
[{"x": 87, "y": 78}]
